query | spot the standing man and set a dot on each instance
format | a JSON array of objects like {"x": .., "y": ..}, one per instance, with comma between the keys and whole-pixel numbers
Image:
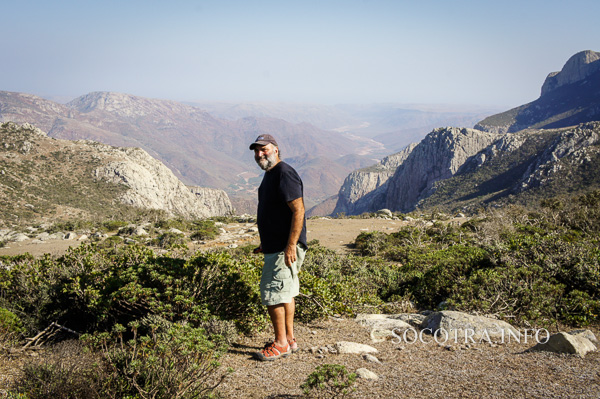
[{"x": 282, "y": 230}]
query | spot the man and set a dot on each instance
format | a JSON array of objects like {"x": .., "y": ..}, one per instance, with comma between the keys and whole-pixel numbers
[{"x": 282, "y": 231}]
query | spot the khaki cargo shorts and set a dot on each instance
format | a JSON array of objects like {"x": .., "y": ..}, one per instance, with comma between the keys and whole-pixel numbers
[{"x": 279, "y": 283}]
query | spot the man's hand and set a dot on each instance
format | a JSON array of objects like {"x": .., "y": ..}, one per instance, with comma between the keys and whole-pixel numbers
[
  {"x": 297, "y": 207},
  {"x": 290, "y": 255}
]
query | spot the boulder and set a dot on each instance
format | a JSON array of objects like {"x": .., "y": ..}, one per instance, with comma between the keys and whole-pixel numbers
[
  {"x": 585, "y": 334},
  {"x": 566, "y": 343},
  {"x": 19, "y": 237},
  {"x": 366, "y": 374},
  {"x": 464, "y": 326},
  {"x": 70, "y": 236},
  {"x": 382, "y": 326}
]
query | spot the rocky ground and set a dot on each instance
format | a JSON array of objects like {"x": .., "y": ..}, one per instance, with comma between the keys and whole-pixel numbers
[
  {"x": 402, "y": 369},
  {"x": 419, "y": 370}
]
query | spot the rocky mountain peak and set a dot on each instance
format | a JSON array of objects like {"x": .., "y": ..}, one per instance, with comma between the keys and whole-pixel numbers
[
  {"x": 578, "y": 67},
  {"x": 128, "y": 106}
]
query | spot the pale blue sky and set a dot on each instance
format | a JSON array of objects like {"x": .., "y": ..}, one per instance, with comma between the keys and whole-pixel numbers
[{"x": 340, "y": 51}]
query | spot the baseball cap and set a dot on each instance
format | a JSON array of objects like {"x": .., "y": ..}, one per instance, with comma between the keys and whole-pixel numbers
[{"x": 264, "y": 139}]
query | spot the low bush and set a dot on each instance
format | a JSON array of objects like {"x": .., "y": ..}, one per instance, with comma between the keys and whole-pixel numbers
[
  {"x": 541, "y": 265},
  {"x": 171, "y": 240},
  {"x": 204, "y": 230},
  {"x": 162, "y": 360},
  {"x": 329, "y": 381}
]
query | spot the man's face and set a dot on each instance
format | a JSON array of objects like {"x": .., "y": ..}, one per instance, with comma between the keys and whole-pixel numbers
[{"x": 265, "y": 156}]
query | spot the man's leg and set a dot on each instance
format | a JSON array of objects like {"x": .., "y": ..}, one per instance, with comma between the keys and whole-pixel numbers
[
  {"x": 282, "y": 317},
  {"x": 290, "y": 308},
  {"x": 278, "y": 316}
]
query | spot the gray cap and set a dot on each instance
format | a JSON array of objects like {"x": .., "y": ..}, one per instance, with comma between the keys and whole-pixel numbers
[{"x": 264, "y": 139}]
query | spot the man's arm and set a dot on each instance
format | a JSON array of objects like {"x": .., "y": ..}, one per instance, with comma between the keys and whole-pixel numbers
[{"x": 297, "y": 207}]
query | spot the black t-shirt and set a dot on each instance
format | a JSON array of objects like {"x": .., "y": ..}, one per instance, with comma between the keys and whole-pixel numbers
[{"x": 279, "y": 186}]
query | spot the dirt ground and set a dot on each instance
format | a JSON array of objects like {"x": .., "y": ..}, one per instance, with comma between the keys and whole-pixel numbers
[
  {"x": 338, "y": 234},
  {"x": 406, "y": 370}
]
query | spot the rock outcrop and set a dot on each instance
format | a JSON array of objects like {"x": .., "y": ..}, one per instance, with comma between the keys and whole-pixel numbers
[
  {"x": 438, "y": 157},
  {"x": 578, "y": 67},
  {"x": 415, "y": 171},
  {"x": 214, "y": 199},
  {"x": 572, "y": 144},
  {"x": 568, "y": 98},
  {"x": 152, "y": 185},
  {"x": 42, "y": 175},
  {"x": 365, "y": 186}
]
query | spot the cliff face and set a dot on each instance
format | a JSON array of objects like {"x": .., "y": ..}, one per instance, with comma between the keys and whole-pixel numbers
[
  {"x": 401, "y": 180},
  {"x": 152, "y": 185},
  {"x": 46, "y": 177},
  {"x": 439, "y": 156},
  {"x": 366, "y": 186},
  {"x": 466, "y": 169}
]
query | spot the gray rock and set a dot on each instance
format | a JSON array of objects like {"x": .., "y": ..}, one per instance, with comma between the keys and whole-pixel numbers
[
  {"x": 366, "y": 374},
  {"x": 566, "y": 343},
  {"x": 140, "y": 231},
  {"x": 82, "y": 237},
  {"x": 70, "y": 236},
  {"x": 382, "y": 326},
  {"x": 585, "y": 334},
  {"x": 370, "y": 358},
  {"x": 412, "y": 177},
  {"x": 463, "y": 326},
  {"x": 578, "y": 67},
  {"x": 43, "y": 236},
  {"x": 20, "y": 237},
  {"x": 353, "y": 347},
  {"x": 385, "y": 212}
]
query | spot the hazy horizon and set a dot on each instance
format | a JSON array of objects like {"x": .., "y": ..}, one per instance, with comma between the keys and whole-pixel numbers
[{"x": 329, "y": 52}]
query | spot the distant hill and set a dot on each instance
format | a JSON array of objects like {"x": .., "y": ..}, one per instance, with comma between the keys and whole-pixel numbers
[
  {"x": 199, "y": 148},
  {"x": 568, "y": 98},
  {"x": 45, "y": 179},
  {"x": 391, "y": 125}
]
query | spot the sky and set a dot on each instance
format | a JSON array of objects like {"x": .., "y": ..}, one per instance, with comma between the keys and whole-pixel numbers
[{"x": 477, "y": 52}]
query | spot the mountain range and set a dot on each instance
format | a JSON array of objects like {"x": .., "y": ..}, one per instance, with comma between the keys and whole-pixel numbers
[
  {"x": 212, "y": 151},
  {"x": 547, "y": 147}
]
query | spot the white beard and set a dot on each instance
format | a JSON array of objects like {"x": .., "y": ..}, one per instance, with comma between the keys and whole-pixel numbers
[{"x": 267, "y": 162}]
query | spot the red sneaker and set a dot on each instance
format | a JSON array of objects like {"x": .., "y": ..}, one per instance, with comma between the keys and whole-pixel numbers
[{"x": 272, "y": 352}]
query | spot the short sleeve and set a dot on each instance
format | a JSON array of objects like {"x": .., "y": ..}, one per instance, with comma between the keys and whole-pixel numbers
[{"x": 290, "y": 185}]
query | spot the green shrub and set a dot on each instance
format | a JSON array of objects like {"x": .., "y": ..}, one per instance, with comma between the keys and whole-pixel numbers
[
  {"x": 329, "y": 381},
  {"x": 204, "y": 230},
  {"x": 9, "y": 322},
  {"x": 179, "y": 224},
  {"x": 332, "y": 284},
  {"x": 161, "y": 360},
  {"x": 110, "y": 242},
  {"x": 114, "y": 225},
  {"x": 171, "y": 240}
]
